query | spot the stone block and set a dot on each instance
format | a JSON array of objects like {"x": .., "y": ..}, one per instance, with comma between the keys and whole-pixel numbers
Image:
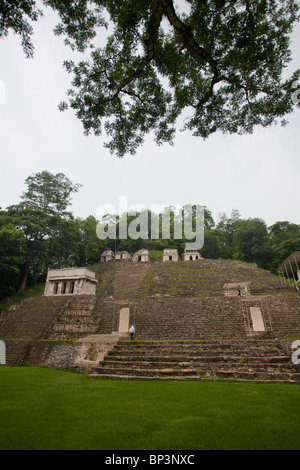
[
  {"x": 124, "y": 320},
  {"x": 2, "y": 353},
  {"x": 257, "y": 319}
]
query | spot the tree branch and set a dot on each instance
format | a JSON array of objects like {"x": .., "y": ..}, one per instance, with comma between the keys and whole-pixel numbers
[
  {"x": 186, "y": 33},
  {"x": 153, "y": 31}
]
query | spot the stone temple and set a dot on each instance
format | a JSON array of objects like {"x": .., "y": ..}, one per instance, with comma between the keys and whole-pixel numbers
[
  {"x": 70, "y": 281},
  {"x": 170, "y": 255},
  {"x": 189, "y": 320},
  {"x": 191, "y": 255},
  {"x": 141, "y": 256}
]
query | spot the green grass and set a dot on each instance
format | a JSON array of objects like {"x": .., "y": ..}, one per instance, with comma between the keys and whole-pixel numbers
[{"x": 51, "y": 409}]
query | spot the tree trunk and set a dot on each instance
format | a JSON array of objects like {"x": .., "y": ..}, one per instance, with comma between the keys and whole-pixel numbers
[{"x": 24, "y": 281}]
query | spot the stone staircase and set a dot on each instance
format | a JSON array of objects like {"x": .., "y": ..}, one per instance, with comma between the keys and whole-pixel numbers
[
  {"x": 26, "y": 322},
  {"x": 187, "y": 329},
  {"x": 31, "y": 318},
  {"x": 285, "y": 314},
  {"x": 105, "y": 273},
  {"x": 255, "y": 360},
  {"x": 189, "y": 318},
  {"x": 76, "y": 319},
  {"x": 86, "y": 315},
  {"x": 128, "y": 279}
]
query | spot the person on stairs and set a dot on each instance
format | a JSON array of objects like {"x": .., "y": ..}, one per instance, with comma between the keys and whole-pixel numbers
[{"x": 132, "y": 332}]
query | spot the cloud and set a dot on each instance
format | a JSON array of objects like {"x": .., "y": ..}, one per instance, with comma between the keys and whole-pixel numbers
[{"x": 257, "y": 174}]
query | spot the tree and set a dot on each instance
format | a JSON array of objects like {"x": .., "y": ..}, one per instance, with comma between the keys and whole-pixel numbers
[
  {"x": 217, "y": 63},
  {"x": 51, "y": 241},
  {"x": 49, "y": 193},
  {"x": 252, "y": 242},
  {"x": 12, "y": 258},
  {"x": 227, "y": 227},
  {"x": 91, "y": 247},
  {"x": 284, "y": 239},
  {"x": 214, "y": 242},
  {"x": 17, "y": 15},
  {"x": 282, "y": 231}
]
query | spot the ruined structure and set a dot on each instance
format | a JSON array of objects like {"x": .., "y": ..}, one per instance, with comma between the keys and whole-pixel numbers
[
  {"x": 118, "y": 256},
  {"x": 170, "y": 255},
  {"x": 190, "y": 324},
  {"x": 191, "y": 255},
  {"x": 70, "y": 281},
  {"x": 141, "y": 256},
  {"x": 123, "y": 256},
  {"x": 107, "y": 256}
]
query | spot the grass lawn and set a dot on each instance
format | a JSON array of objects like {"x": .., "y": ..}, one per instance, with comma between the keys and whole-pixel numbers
[{"x": 51, "y": 409}]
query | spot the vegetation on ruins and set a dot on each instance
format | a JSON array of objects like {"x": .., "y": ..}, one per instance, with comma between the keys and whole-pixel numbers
[
  {"x": 40, "y": 233},
  {"x": 209, "y": 66}
]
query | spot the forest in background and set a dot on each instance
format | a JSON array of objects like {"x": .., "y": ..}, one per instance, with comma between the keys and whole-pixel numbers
[{"x": 40, "y": 233}]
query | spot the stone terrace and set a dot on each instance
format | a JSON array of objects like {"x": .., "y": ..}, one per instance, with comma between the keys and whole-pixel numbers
[
  {"x": 264, "y": 361},
  {"x": 185, "y": 326},
  {"x": 187, "y": 329},
  {"x": 204, "y": 278},
  {"x": 189, "y": 318},
  {"x": 27, "y": 322}
]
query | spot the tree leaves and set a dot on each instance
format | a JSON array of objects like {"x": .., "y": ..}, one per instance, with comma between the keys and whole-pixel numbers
[
  {"x": 49, "y": 193},
  {"x": 222, "y": 60},
  {"x": 18, "y": 15}
]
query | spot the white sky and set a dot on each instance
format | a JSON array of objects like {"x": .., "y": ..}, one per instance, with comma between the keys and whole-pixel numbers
[{"x": 257, "y": 174}]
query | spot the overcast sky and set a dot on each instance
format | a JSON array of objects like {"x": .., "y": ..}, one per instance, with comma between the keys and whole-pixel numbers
[{"x": 258, "y": 174}]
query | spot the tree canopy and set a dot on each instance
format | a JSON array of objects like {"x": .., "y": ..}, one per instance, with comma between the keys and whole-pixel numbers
[
  {"x": 216, "y": 65},
  {"x": 49, "y": 193}
]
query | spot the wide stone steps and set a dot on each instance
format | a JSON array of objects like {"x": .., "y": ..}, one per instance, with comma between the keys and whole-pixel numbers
[
  {"x": 184, "y": 361},
  {"x": 128, "y": 279},
  {"x": 188, "y": 347},
  {"x": 266, "y": 360},
  {"x": 279, "y": 377},
  {"x": 233, "y": 375},
  {"x": 189, "y": 319}
]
